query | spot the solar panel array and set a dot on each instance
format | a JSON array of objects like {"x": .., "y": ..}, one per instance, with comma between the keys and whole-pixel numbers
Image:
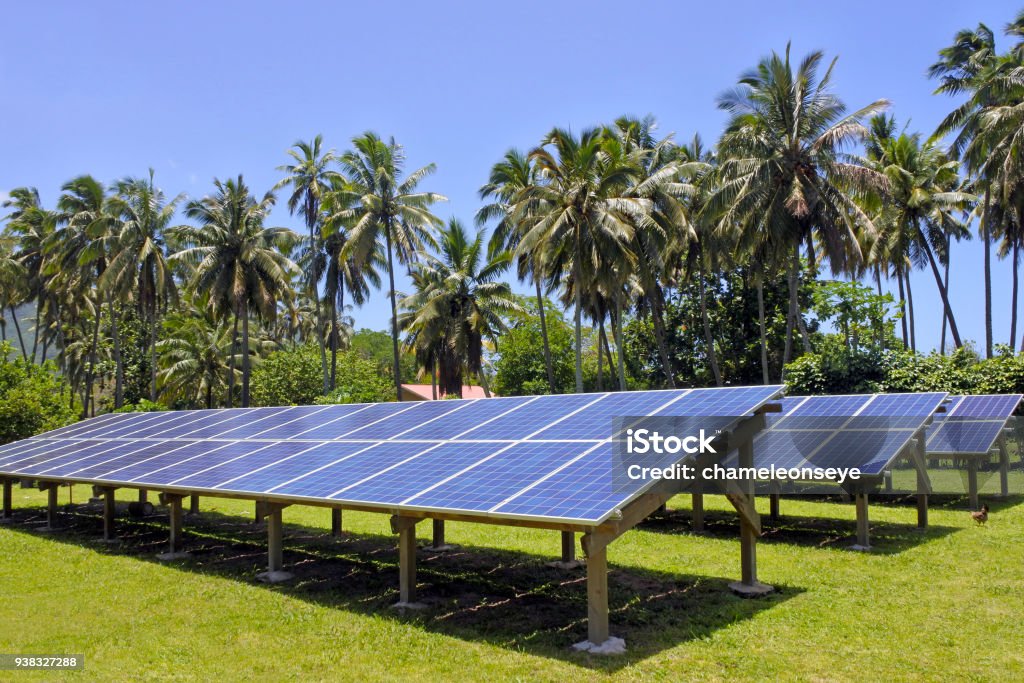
[
  {"x": 546, "y": 457},
  {"x": 866, "y": 431},
  {"x": 972, "y": 424}
]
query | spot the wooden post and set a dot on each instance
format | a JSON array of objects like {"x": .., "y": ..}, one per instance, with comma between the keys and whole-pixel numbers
[
  {"x": 51, "y": 506},
  {"x": 275, "y": 545},
  {"x": 143, "y": 495},
  {"x": 109, "y": 509},
  {"x": 748, "y": 585},
  {"x": 597, "y": 595},
  {"x": 438, "y": 529},
  {"x": 972, "y": 482},
  {"x": 407, "y": 563},
  {"x": 335, "y": 522},
  {"x": 193, "y": 505},
  {"x": 863, "y": 535},
  {"x": 697, "y": 503},
  {"x": 922, "y": 485},
  {"x": 174, "y": 509},
  {"x": 568, "y": 546},
  {"x": 8, "y": 508},
  {"x": 773, "y": 501},
  {"x": 1004, "y": 468},
  {"x": 887, "y": 477}
]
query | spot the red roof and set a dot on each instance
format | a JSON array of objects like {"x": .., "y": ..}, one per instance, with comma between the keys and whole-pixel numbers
[{"x": 422, "y": 392}]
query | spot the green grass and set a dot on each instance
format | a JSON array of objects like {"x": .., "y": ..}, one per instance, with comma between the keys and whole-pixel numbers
[{"x": 943, "y": 604}]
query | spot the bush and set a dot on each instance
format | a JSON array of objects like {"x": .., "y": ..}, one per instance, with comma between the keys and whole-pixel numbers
[
  {"x": 288, "y": 377},
  {"x": 143, "y": 406},
  {"x": 33, "y": 398},
  {"x": 359, "y": 380}
]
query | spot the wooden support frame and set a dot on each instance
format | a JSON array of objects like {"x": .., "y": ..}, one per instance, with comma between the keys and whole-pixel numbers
[
  {"x": 1004, "y": 466},
  {"x": 109, "y": 512},
  {"x": 405, "y": 527},
  {"x": 863, "y": 524},
  {"x": 774, "y": 501},
  {"x": 193, "y": 504},
  {"x": 972, "y": 482},
  {"x": 7, "y": 511},
  {"x": 275, "y": 545},
  {"x": 437, "y": 527},
  {"x": 597, "y": 595},
  {"x": 697, "y": 516},
  {"x": 335, "y": 521},
  {"x": 924, "y": 484},
  {"x": 175, "y": 513},
  {"x": 568, "y": 547},
  {"x": 741, "y": 495},
  {"x": 52, "y": 490}
]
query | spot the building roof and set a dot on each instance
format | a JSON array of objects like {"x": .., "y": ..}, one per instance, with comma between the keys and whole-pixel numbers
[{"x": 423, "y": 392}]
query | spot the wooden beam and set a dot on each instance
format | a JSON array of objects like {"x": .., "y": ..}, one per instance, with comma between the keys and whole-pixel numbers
[
  {"x": 597, "y": 595},
  {"x": 174, "y": 509},
  {"x": 109, "y": 511},
  {"x": 406, "y": 529},
  {"x": 924, "y": 484},
  {"x": 8, "y": 508},
  {"x": 773, "y": 505},
  {"x": 972, "y": 482},
  {"x": 438, "y": 533},
  {"x": 335, "y": 521},
  {"x": 193, "y": 504},
  {"x": 1004, "y": 467},
  {"x": 697, "y": 506},
  {"x": 568, "y": 546},
  {"x": 275, "y": 545},
  {"x": 51, "y": 506},
  {"x": 863, "y": 533},
  {"x": 143, "y": 496},
  {"x": 741, "y": 495}
]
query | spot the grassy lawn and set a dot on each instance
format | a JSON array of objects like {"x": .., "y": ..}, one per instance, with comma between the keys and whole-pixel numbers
[{"x": 944, "y": 604}]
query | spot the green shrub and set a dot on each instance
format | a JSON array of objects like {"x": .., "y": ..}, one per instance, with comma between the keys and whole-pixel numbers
[
  {"x": 33, "y": 398},
  {"x": 359, "y": 380},
  {"x": 143, "y": 406},
  {"x": 288, "y": 377}
]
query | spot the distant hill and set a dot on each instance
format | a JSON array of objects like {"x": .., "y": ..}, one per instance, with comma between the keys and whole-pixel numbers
[{"x": 27, "y": 320}]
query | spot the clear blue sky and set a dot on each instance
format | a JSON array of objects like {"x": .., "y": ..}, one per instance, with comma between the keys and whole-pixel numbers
[{"x": 198, "y": 90}]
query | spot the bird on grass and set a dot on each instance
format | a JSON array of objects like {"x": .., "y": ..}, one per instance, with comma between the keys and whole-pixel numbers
[{"x": 981, "y": 516}]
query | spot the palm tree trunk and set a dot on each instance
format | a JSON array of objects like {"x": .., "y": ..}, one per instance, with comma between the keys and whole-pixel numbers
[
  {"x": 943, "y": 292},
  {"x": 620, "y": 352},
  {"x": 910, "y": 308},
  {"x": 787, "y": 350},
  {"x": 433, "y": 379},
  {"x": 314, "y": 291},
  {"x": 763, "y": 332},
  {"x": 658, "y": 321},
  {"x": 231, "y": 363},
  {"x": 17, "y": 328},
  {"x": 35, "y": 332},
  {"x": 90, "y": 376},
  {"x": 209, "y": 395},
  {"x": 246, "y": 361},
  {"x": 880, "y": 332},
  {"x": 903, "y": 307},
  {"x": 945, "y": 286},
  {"x": 987, "y": 242},
  {"x": 394, "y": 316},
  {"x": 118, "y": 360},
  {"x": 153, "y": 327},
  {"x": 1013, "y": 296},
  {"x": 607, "y": 349},
  {"x": 483, "y": 382},
  {"x": 578, "y": 286},
  {"x": 600, "y": 355},
  {"x": 544, "y": 336},
  {"x": 335, "y": 332},
  {"x": 709, "y": 342}
]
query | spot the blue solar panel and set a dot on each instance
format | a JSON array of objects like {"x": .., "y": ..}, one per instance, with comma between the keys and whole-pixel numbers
[
  {"x": 533, "y": 417},
  {"x": 411, "y": 478},
  {"x": 972, "y": 424},
  {"x": 468, "y": 418},
  {"x": 396, "y": 425},
  {"x": 594, "y": 422},
  {"x": 352, "y": 469},
  {"x": 85, "y": 425},
  {"x": 459, "y": 455},
  {"x": 991, "y": 407}
]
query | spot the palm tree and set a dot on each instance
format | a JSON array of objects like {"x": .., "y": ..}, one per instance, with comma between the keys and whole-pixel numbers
[
  {"x": 510, "y": 178},
  {"x": 785, "y": 179},
  {"x": 383, "y": 206},
  {"x": 139, "y": 266},
  {"x": 923, "y": 193},
  {"x": 28, "y": 227},
  {"x": 458, "y": 304},
  {"x": 972, "y": 66},
  {"x": 12, "y": 277},
  {"x": 238, "y": 262},
  {"x": 582, "y": 218},
  {"x": 81, "y": 252},
  {"x": 311, "y": 178},
  {"x": 196, "y": 355}
]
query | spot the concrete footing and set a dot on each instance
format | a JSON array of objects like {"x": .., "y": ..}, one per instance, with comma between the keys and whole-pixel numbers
[
  {"x": 611, "y": 646},
  {"x": 750, "y": 590},
  {"x": 276, "y": 576}
]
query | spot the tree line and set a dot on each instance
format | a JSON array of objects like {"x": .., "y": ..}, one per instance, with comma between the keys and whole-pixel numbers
[{"x": 607, "y": 222}]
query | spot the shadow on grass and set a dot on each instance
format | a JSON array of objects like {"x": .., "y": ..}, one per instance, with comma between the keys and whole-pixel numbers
[
  {"x": 510, "y": 599},
  {"x": 823, "y": 532}
]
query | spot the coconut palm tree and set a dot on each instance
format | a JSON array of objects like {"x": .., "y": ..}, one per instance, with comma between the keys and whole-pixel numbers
[
  {"x": 582, "y": 219},
  {"x": 384, "y": 207},
  {"x": 923, "y": 193},
  {"x": 458, "y": 304},
  {"x": 238, "y": 261},
  {"x": 195, "y": 355},
  {"x": 138, "y": 268},
  {"x": 80, "y": 254},
  {"x": 311, "y": 178},
  {"x": 785, "y": 179}
]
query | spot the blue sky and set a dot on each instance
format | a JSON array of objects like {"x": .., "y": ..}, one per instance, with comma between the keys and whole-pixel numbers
[{"x": 204, "y": 90}]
